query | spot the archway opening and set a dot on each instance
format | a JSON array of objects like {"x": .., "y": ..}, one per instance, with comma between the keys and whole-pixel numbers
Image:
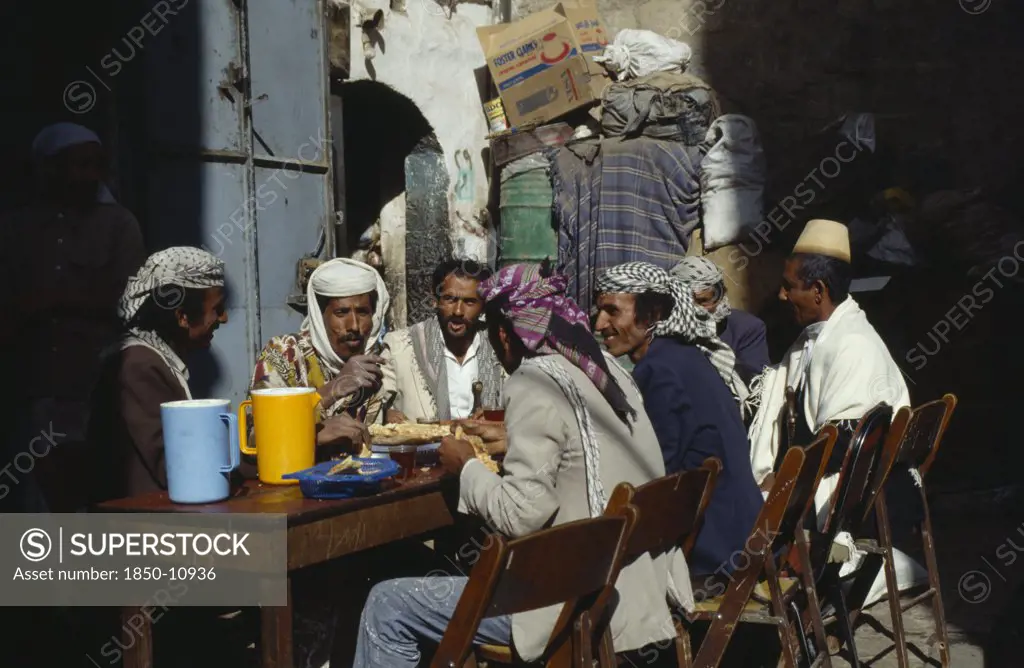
[{"x": 394, "y": 193}]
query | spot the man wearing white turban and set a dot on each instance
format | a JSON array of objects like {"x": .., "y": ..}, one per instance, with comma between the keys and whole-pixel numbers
[
  {"x": 335, "y": 351},
  {"x": 66, "y": 258}
]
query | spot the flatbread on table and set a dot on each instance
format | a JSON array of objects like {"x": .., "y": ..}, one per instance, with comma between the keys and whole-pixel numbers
[
  {"x": 346, "y": 466},
  {"x": 478, "y": 447},
  {"x": 408, "y": 433}
]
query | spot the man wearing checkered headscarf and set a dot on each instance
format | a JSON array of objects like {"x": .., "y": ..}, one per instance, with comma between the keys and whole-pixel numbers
[
  {"x": 575, "y": 430},
  {"x": 686, "y": 320},
  {"x": 744, "y": 332},
  {"x": 691, "y": 393},
  {"x": 170, "y": 307}
]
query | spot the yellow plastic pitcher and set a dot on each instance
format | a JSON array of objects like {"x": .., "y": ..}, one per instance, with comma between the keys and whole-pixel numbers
[{"x": 285, "y": 428}]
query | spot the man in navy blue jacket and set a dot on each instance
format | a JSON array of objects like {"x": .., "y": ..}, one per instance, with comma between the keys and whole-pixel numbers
[{"x": 691, "y": 393}]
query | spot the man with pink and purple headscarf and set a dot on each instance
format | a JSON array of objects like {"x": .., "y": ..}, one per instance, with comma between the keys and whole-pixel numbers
[{"x": 576, "y": 427}]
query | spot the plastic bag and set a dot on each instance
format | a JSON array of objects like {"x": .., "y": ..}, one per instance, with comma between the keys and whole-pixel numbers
[
  {"x": 639, "y": 53},
  {"x": 732, "y": 177}
]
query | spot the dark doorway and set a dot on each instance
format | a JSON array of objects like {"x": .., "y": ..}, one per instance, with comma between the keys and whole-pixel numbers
[{"x": 381, "y": 129}]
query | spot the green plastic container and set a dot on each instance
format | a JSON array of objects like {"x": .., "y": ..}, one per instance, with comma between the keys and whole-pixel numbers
[{"x": 527, "y": 224}]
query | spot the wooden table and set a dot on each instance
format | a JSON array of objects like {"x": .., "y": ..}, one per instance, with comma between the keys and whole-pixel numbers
[{"x": 317, "y": 531}]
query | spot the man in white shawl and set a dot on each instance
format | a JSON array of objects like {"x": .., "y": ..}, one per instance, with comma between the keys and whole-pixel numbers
[
  {"x": 433, "y": 365},
  {"x": 839, "y": 367}
]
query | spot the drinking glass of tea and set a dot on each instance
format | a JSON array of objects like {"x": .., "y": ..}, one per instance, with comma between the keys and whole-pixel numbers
[
  {"x": 494, "y": 414},
  {"x": 405, "y": 456}
]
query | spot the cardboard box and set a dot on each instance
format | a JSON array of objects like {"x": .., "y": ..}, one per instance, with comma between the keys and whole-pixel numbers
[
  {"x": 590, "y": 34},
  {"x": 537, "y": 66}
]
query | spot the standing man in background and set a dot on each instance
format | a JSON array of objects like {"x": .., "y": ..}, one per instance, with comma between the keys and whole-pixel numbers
[{"x": 67, "y": 258}]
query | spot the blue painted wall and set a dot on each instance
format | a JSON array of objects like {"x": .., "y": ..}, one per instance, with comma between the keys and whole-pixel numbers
[{"x": 235, "y": 150}]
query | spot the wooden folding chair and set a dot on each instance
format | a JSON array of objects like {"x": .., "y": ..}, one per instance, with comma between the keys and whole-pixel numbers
[
  {"x": 671, "y": 513},
  {"x": 776, "y": 528},
  {"x": 713, "y": 465},
  {"x": 520, "y": 575},
  {"x": 919, "y": 434},
  {"x": 853, "y": 499}
]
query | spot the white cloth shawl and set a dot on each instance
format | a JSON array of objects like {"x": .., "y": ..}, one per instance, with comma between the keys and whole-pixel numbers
[
  {"x": 849, "y": 372},
  {"x": 342, "y": 277}
]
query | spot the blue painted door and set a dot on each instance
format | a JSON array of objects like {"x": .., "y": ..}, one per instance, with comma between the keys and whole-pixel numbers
[{"x": 238, "y": 160}]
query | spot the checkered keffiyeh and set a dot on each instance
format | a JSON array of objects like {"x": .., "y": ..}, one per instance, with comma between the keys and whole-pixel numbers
[
  {"x": 702, "y": 274},
  {"x": 549, "y": 322},
  {"x": 164, "y": 276},
  {"x": 687, "y": 321}
]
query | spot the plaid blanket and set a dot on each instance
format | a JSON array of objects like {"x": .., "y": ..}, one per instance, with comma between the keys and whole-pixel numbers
[{"x": 622, "y": 201}]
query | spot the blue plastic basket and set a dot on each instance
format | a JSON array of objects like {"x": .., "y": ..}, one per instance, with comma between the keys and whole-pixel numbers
[{"x": 316, "y": 484}]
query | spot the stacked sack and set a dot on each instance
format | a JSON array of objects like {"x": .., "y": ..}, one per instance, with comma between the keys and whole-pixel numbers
[{"x": 653, "y": 96}]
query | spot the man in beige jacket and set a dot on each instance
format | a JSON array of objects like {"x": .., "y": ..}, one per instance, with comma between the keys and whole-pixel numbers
[{"x": 571, "y": 412}]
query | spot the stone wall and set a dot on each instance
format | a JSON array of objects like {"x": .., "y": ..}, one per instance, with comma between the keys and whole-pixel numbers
[
  {"x": 431, "y": 55},
  {"x": 939, "y": 74}
]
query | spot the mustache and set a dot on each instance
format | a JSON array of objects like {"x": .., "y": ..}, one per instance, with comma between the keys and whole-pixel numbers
[{"x": 350, "y": 338}]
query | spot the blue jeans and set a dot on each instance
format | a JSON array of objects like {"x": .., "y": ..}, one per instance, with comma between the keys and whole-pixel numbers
[{"x": 400, "y": 614}]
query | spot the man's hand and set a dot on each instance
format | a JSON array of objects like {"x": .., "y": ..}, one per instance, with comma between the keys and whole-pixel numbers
[
  {"x": 395, "y": 417},
  {"x": 344, "y": 431},
  {"x": 454, "y": 454},
  {"x": 491, "y": 433},
  {"x": 359, "y": 372},
  {"x": 766, "y": 484}
]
